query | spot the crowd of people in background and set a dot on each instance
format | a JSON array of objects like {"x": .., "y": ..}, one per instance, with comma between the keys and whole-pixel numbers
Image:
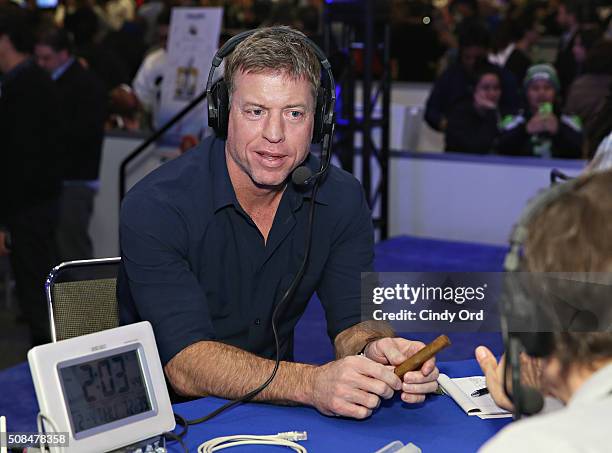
[
  {"x": 499, "y": 95},
  {"x": 82, "y": 67},
  {"x": 465, "y": 46}
]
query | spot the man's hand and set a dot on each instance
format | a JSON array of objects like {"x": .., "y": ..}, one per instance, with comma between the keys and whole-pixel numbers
[
  {"x": 352, "y": 387},
  {"x": 3, "y": 249},
  {"x": 393, "y": 351}
]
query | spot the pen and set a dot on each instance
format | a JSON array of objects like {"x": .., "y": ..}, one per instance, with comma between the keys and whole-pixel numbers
[{"x": 480, "y": 392}]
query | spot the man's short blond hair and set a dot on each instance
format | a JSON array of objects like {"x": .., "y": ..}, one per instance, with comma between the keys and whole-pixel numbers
[{"x": 277, "y": 50}]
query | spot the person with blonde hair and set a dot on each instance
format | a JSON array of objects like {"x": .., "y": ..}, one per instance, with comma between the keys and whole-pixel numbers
[
  {"x": 570, "y": 234},
  {"x": 212, "y": 241}
]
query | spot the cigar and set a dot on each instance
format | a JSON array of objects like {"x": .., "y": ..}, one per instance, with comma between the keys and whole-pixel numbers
[{"x": 417, "y": 360}]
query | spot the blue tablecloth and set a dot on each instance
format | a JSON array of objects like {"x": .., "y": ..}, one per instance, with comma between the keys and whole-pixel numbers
[{"x": 438, "y": 425}]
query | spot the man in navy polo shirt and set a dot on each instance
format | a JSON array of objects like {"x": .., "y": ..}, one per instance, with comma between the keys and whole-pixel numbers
[{"x": 212, "y": 240}]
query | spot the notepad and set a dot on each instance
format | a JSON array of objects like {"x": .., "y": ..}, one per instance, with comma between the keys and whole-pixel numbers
[{"x": 460, "y": 389}]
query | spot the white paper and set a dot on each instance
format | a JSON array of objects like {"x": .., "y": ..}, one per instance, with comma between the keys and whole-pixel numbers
[{"x": 460, "y": 390}]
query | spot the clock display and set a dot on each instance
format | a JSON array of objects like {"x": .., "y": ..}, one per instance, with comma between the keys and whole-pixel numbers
[{"x": 104, "y": 390}]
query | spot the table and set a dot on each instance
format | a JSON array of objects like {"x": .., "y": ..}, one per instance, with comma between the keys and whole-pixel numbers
[{"x": 438, "y": 425}]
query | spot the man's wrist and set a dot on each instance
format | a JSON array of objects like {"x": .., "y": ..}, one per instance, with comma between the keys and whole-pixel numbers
[{"x": 305, "y": 395}]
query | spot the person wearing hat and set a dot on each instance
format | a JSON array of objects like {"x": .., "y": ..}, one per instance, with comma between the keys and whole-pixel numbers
[{"x": 541, "y": 130}]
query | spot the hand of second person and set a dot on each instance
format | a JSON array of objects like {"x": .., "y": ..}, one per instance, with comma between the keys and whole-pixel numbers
[
  {"x": 481, "y": 102},
  {"x": 536, "y": 124},
  {"x": 531, "y": 375},
  {"x": 494, "y": 374},
  {"x": 551, "y": 124},
  {"x": 393, "y": 351},
  {"x": 352, "y": 386}
]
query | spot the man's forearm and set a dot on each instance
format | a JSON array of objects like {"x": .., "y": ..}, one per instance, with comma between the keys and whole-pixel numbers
[
  {"x": 213, "y": 368},
  {"x": 352, "y": 340}
]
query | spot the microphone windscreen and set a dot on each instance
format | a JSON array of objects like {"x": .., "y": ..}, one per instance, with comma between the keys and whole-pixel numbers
[
  {"x": 301, "y": 175},
  {"x": 532, "y": 401}
]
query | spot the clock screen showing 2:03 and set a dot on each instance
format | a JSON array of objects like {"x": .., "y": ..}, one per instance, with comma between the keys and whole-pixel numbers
[{"x": 105, "y": 390}]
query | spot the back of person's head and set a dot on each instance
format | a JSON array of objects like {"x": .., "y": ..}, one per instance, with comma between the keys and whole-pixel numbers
[
  {"x": 574, "y": 234},
  {"x": 276, "y": 50},
  {"x": 17, "y": 25},
  {"x": 56, "y": 38}
]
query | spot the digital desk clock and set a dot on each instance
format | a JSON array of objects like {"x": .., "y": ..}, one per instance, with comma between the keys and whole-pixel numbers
[{"x": 106, "y": 389}]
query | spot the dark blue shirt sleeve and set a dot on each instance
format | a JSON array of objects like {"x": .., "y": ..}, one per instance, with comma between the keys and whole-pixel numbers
[
  {"x": 154, "y": 244},
  {"x": 352, "y": 252}
]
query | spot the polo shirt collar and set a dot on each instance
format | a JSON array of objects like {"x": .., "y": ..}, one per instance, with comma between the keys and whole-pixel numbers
[
  {"x": 224, "y": 194},
  {"x": 223, "y": 191}
]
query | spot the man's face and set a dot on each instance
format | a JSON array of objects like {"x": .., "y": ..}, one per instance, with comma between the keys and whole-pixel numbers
[
  {"x": 539, "y": 92},
  {"x": 49, "y": 59},
  {"x": 270, "y": 127},
  {"x": 470, "y": 55}
]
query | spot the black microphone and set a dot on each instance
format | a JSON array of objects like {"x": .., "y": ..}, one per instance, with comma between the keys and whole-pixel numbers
[
  {"x": 301, "y": 176},
  {"x": 531, "y": 400}
]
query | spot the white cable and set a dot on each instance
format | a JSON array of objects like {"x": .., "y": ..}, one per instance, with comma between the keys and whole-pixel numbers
[
  {"x": 286, "y": 439},
  {"x": 39, "y": 425}
]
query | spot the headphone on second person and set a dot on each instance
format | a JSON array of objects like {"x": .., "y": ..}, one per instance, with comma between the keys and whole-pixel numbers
[
  {"x": 518, "y": 308},
  {"x": 219, "y": 102}
]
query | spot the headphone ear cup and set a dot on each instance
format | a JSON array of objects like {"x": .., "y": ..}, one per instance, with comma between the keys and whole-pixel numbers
[
  {"x": 218, "y": 108},
  {"x": 537, "y": 344},
  {"x": 318, "y": 131}
]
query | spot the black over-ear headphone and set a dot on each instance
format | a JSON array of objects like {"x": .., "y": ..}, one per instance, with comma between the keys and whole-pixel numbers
[
  {"x": 218, "y": 103},
  {"x": 536, "y": 344}
]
